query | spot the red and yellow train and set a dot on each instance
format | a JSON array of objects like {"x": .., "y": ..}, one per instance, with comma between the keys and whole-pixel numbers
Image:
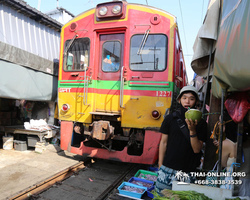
[{"x": 121, "y": 67}]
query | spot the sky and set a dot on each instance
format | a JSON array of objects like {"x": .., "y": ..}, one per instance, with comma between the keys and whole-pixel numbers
[{"x": 190, "y": 15}]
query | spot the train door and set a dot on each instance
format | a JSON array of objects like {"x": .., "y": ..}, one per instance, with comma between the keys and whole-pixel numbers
[{"x": 109, "y": 72}]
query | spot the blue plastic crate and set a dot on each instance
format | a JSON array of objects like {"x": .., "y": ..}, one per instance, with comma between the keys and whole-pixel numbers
[
  {"x": 129, "y": 193},
  {"x": 149, "y": 192},
  {"x": 153, "y": 169},
  {"x": 142, "y": 180}
]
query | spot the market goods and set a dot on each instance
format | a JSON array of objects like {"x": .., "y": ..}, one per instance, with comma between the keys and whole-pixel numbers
[
  {"x": 179, "y": 195},
  {"x": 132, "y": 189},
  {"x": 148, "y": 177},
  {"x": 148, "y": 185}
]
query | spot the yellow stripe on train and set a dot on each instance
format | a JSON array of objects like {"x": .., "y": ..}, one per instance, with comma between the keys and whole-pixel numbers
[{"x": 136, "y": 111}]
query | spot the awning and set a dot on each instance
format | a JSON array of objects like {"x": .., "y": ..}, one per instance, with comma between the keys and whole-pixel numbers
[
  {"x": 206, "y": 39},
  {"x": 24, "y": 58},
  {"x": 18, "y": 82},
  {"x": 231, "y": 62}
]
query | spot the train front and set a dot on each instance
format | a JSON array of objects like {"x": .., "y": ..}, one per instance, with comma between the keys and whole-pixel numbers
[{"x": 115, "y": 81}]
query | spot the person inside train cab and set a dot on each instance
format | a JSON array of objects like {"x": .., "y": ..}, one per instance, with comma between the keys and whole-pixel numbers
[
  {"x": 109, "y": 64},
  {"x": 181, "y": 142}
]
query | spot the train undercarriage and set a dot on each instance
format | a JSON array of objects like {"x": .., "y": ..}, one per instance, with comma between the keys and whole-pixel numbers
[{"x": 108, "y": 140}]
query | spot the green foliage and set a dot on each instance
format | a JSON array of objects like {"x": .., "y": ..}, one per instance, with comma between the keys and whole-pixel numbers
[{"x": 179, "y": 195}]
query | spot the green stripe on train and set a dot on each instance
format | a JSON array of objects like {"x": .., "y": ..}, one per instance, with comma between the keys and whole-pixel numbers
[{"x": 115, "y": 85}]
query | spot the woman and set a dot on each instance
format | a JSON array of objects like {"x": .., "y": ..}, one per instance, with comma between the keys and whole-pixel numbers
[
  {"x": 229, "y": 145},
  {"x": 179, "y": 150}
]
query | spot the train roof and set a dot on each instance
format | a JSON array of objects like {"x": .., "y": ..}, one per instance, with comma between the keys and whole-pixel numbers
[
  {"x": 147, "y": 6},
  {"x": 154, "y": 9}
]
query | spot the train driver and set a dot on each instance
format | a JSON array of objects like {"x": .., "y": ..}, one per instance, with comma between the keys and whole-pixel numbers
[{"x": 109, "y": 64}]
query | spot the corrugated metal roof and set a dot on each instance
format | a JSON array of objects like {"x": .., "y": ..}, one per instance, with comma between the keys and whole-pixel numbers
[
  {"x": 62, "y": 9},
  {"x": 23, "y": 8}
]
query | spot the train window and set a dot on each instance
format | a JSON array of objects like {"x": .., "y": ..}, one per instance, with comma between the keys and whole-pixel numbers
[
  {"x": 148, "y": 53},
  {"x": 77, "y": 55},
  {"x": 111, "y": 56}
]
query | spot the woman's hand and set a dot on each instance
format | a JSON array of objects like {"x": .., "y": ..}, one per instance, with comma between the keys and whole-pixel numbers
[
  {"x": 215, "y": 142},
  {"x": 191, "y": 125}
]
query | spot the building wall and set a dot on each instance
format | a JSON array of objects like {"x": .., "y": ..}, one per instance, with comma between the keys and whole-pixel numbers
[{"x": 27, "y": 34}]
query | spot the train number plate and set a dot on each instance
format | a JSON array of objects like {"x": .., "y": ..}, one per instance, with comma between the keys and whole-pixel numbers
[{"x": 163, "y": 93}]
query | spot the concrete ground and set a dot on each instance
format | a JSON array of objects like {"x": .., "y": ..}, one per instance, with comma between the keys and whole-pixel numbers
[{"x": 20, "y": 170}]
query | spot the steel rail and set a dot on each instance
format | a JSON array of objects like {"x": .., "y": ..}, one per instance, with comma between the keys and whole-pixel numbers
[
  {"x": 44, "y": 185},
  {"x": 114, "y": 185}
]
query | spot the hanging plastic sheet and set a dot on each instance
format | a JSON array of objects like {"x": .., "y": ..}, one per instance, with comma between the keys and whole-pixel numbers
[
  {"x": 18, "y": 82},
  {"x": 238, "y": 105},
  {"x": 231, "y": 62},
  {"x": 206, "y": 39}
]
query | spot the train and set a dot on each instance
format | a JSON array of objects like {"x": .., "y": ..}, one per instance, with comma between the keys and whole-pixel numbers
[{"x": 121, "y": 67}]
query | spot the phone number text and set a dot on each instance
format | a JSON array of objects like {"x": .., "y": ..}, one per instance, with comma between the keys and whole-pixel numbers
[{"x": 218, "y": 182}]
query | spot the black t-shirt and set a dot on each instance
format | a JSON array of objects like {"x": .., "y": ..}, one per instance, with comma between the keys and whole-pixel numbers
[{"x": 179, "y": 153}]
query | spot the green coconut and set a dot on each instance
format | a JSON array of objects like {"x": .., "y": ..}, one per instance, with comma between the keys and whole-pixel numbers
[{"x": 193, "y": 114}]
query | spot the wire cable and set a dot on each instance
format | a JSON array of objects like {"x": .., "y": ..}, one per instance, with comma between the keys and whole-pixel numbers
[
  {"x": 183, "y": 27},
  {"x": 147, "y": 2},
  {"x": 202, "y": 10}
]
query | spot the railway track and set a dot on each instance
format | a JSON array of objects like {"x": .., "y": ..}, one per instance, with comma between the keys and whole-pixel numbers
[{"x": 88, "y": 180}]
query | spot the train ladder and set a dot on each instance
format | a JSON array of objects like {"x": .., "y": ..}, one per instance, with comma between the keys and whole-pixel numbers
[
  {"x": 85, "y": 89},
  {"x": 121, "y": 88}
]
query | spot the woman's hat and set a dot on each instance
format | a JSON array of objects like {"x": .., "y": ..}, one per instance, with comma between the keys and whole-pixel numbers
[{"x": 188, "y": 88}]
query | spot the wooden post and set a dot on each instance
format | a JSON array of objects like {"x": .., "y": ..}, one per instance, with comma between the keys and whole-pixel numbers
[
  {"x": 208, "y": 72},
  {"x": 221, "y": 130},
  {"x": 210, "y": 157},
  {"x": 240, "y": 131}
]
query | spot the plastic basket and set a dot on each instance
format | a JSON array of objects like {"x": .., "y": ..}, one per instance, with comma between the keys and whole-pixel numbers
[
  {"x": 149, "y": 192},
  {"x": 130, "y": 193},
  {"x": 153, "y": 169},
  {"x": 142, "y": 172},
  {"x": 151, "y": 183}
]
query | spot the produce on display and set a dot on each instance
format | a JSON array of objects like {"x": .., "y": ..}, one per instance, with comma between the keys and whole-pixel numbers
[
  {"x": 132, "y": 189},
  {"x": 148, "y": 185},
  {"x": 179, "y": 195},
  {"x": 148, "y": 177}
]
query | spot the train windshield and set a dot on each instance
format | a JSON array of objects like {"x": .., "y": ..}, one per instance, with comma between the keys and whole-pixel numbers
[
  {"x": 76, "y": 54},
  {"x": 148, "y": 53}
]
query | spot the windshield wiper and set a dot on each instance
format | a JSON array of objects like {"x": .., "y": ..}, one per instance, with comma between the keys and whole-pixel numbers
[
  {"x": 136, "y": 63},
  {"x": 144, "y": 39},
  {"x": 70, "y": 43}
]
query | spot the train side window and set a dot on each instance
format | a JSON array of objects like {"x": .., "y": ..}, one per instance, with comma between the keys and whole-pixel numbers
[
  {"x": 77, "y": 54},
  {"x": 148, "y": 53},
  {"x": 111, "y": 56}
]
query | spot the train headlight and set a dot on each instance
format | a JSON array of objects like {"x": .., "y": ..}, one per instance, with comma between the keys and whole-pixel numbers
[
  {"x": 156, "y": 114},
  {"x": 65, "y": 107},
  {"x": 103, "y": 10},
  {"x": 116, "y": 9}
]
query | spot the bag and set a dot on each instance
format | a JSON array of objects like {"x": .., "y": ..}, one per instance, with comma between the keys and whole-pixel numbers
[
  {"x": 237, "y": 106},
  {"x": 213, "y": 179},
  {"x": 229, "y": 179},
  {"x": 185, "y": 132}
]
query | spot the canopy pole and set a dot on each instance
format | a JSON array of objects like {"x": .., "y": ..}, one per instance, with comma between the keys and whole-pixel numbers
[
  {"x": 240, "y": 132},
  {"x": 221, "y": 132},
  {"x": 208, "y": 72}
]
